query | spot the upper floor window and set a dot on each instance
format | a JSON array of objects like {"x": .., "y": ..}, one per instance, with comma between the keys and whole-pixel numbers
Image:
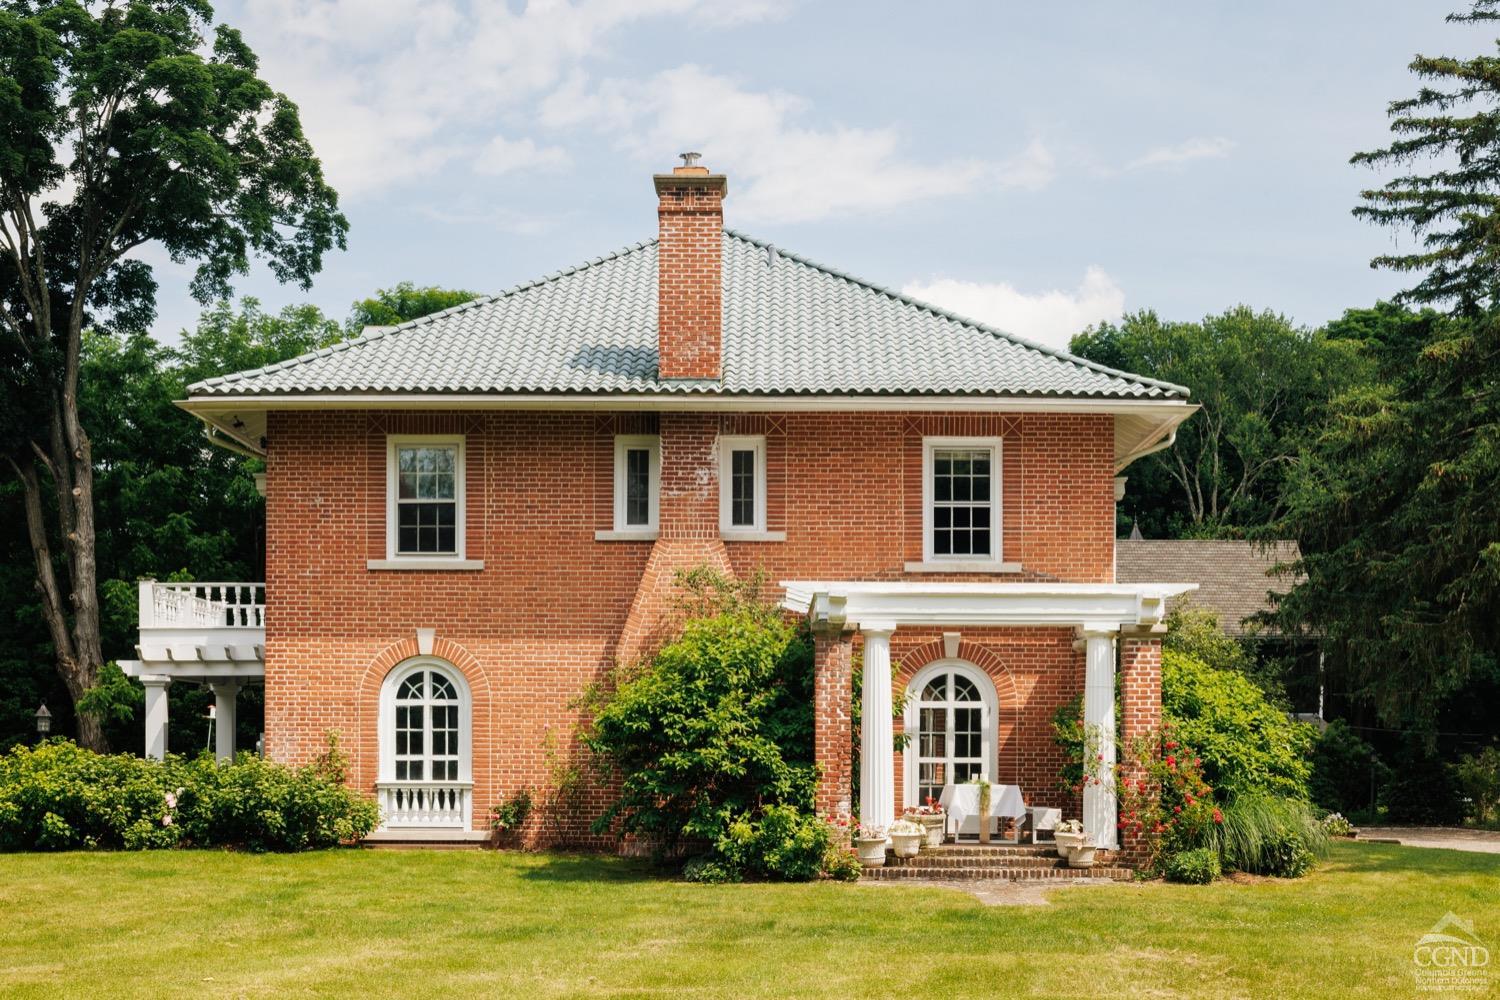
[
  {"x": 425, "y": 503},
  {"x": 961, "y": 500},
  {"x": 637, "y": 481},
  {"x": 742, "y": 484}
]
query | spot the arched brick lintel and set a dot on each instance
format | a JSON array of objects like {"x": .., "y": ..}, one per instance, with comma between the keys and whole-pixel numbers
[{"x": 367, "y": 705}]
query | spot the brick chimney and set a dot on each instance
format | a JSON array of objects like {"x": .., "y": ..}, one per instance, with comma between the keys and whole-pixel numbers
[{"x": 689, "y": 271}]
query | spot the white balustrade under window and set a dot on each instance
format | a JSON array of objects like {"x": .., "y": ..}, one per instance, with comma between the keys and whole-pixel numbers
[{"x": 424, "y": 804}]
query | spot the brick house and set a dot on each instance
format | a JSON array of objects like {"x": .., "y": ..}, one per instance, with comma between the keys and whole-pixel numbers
[{"x": 472, "y": 516}]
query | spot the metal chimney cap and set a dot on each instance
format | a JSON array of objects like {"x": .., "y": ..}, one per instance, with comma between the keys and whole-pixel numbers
[{"x": 689, "y": 159}]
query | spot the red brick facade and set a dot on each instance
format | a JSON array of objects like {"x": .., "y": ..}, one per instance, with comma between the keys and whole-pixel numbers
[{"x": 553, "y": 607}]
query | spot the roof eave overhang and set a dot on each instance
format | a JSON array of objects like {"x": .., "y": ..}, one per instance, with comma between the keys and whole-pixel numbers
[
  {"x": 241, "y": 418},
  {"x": 1107, "y": 607}
]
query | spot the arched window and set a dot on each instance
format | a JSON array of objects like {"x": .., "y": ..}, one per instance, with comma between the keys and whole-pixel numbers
[
  {"x": 424, "y": 723},
  {"x": 427, "y": 728},
  {"x": 951, "y": 716}
]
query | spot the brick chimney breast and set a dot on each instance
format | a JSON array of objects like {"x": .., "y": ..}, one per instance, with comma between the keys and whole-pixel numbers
[{"x": 689, "y": 272}]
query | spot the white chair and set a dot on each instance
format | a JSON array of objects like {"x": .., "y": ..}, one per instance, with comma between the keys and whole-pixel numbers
[{"x": 1044, "y": 818}]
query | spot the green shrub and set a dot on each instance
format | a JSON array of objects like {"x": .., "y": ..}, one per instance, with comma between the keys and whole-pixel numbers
[
  {"x": 61, "y": 796},
  {"x": 710, "y": 871},
  {"x": 718, "y": 724},
  {"x": 1478, "y": 777},
  {"x": 1346, "y": 773},
  {"x": 1198, "y": 866},
  {"x": 1268, "y": 835},
  {"x": 781, "y": 844},
  {"x": 841, "y": 864},
  {"x": 1336, "y": 825},
  {"x": 1247, "y": 743},
  {"x": 263, "y": 806}
]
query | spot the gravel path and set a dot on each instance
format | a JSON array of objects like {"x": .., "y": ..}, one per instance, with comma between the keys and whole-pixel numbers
[{"x": 1451, "y": 837}]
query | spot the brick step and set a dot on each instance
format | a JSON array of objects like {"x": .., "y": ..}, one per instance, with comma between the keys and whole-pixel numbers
[
  {"x": 992, "y": 851},
  {"x": 1008, "y": 874},
  {"x": 941, "y": 864}
]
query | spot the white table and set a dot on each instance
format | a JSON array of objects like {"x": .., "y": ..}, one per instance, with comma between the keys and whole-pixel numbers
[{"x": 961, "y": 802}]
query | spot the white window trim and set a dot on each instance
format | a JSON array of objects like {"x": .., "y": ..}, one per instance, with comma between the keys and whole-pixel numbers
[
  {"x": 424, "y": 560},
  {"x": 989, "y": 740},
  {"x": 387, "y": 725},
  {"x": 932, "y": 563},
  {"x": 635, "y": 532},
  {"x": 728, "y": 445}
]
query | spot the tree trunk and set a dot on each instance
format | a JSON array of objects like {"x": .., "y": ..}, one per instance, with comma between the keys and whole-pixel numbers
[{"x": 78, "y": 650}]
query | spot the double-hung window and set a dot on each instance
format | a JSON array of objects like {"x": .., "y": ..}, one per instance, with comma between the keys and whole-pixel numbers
[
  {"x": 637, "y": 482},
  {"x": 742, "y": 484},
  {"x": 961, "y": 501},
  {"x": 425, "y": 498}
]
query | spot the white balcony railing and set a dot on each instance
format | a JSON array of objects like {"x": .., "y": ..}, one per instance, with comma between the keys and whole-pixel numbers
[
  {"x": 202, "y": 605},
  {"x": 432, "y": 804}
]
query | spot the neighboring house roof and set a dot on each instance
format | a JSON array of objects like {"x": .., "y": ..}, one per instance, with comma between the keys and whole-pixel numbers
[
  {"x": 1233, "y": 577},
  {"x": 790, "y": 326}
]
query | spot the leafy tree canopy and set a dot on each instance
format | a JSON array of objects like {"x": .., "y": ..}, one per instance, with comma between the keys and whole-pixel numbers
[
  {"x": 389, "y": 306},
  {"x": 121, "y": 125},
  {"x": 1259, "y": 378}
]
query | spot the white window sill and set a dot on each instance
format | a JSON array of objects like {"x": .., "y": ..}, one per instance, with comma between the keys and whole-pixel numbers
[
  {"x": 963, "y": 566},
  {"x": 425, "y": 564},
  {"x": 750, "y": 535},
  {"x": 626, "y": 535}
]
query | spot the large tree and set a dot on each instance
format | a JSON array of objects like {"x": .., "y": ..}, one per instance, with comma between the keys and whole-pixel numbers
[
  {"x": 122, "y": 126},
  {"x": 1447, "y": 147},
  {"x": 1259, "y": 378},
  {"x": 1396, "y": 497}
]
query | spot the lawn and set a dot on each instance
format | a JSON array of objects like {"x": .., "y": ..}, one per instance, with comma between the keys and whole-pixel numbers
[{"x": 349, "y": 923}]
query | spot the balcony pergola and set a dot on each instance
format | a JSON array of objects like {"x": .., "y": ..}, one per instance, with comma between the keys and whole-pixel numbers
[{"x": 212, "y": 634}]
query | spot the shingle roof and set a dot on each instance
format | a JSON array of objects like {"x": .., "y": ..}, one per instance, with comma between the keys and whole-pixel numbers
[
  {"x": 790, "y": 327},
  {"x": 1233, "y": 577}
]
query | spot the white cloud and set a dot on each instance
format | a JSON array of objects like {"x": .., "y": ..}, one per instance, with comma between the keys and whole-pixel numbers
[
  {"x": 784, "y": 170},
  {"x": 394, "y": 90},
  {"x": 1201, "y": 148},
  {"x": 503, "y": 156},
  {"x": 1050, "y": 318}
]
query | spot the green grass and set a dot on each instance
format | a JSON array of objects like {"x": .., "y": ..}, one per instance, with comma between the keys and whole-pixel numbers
[{"x": 351, "y": 923}]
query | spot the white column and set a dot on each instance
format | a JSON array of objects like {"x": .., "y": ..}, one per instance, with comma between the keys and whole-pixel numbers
[
  {"x": 1099, "y": 809},
  {"x": 156, "y": 714},
  {"x": 877, "y": 769},
  {"x": 225, "y": 693}
]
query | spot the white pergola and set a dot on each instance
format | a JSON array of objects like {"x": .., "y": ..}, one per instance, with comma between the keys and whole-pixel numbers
[{"x": 1097, "y": 611}]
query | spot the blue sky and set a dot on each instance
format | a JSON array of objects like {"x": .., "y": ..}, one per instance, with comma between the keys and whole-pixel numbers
[{"x": 1038, "y": 166}]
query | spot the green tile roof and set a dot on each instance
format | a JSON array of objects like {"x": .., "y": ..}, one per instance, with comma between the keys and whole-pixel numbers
[{"x": 790, "y": 327}]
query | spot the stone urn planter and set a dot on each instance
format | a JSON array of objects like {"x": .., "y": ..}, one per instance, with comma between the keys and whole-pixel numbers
[
  {"x": 1082, "y": 857},
  {"x": 935, "y": 828},
  {"x": 1068, "y": 841},
  {"x": 906, "y": 838},
  {"x": 869, "y": 844}
]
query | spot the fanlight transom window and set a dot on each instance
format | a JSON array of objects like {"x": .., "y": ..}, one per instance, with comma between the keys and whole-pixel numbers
[{"x": 427, "y": 728}]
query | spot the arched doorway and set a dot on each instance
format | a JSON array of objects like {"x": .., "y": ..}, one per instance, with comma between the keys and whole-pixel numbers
[{"x": 952, "y": 716}]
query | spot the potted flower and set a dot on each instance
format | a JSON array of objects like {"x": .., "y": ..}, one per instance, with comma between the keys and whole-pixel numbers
[
  {"x": 906, "y": 837},
  {"x": 934, "y": 821},
  {"x": 1069, "y": 836},
  {"x": 1074, "y": 845},
  {"x": 869, "y": 844}
]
